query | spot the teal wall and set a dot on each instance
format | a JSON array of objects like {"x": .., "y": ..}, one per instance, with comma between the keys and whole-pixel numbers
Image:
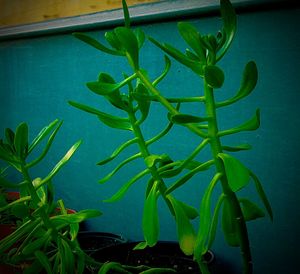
[{"x": 39, "y": 75}]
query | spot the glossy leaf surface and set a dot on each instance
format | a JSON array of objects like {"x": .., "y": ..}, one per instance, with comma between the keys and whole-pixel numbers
[
  {"x": 237, "y": 174},
  {"x": 250, "y": 210},
  {"x": 214, "y": 76}
]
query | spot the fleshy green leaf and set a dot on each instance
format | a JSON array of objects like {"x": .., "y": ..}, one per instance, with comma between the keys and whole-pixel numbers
[
  {"x": 77, "y": 217},
  {"x": 262, "y": 194},
  {"x": 43, "y": 134},
  {"x": 60, "y": 164},
  {"x": 180, "y": 57},
  {"x": 122, "y": 191},
  {"x": 185, "y": 231},
  {"x": 21, "y": 140},
  {"x": 151, "y": 160},
  {"x": 144, "y": 105},
  {"x": 150, "y": 217},
  {"x": 140, "y": 36},
  {"x": 117, "y": 151},
  {"x": 112, "y": 267},
  {"x": 214, "y": 76},
  {"x": 94, "y": 43},
  {"x": 214, "y": 222},
  {"x": 44, "y": 261},
  {"x": 130, "y": 45},
  {"x": 237, "y": 148},
  {"x": 112, "y": 39},
  {"x": 201, "y": 246},
  {"x": 109, "y": 120},
  {"x": 229, "y": 25},
  {"x": 248, "y": 83},
  {"x": 229, "y": 225},
  {"x": 141, "y": 245},
  {"x": 250, "y": 125},
  {"x": 250, "y": 210},
  {"x": 165, "y": 72},
  {"x": 186, "y": 119},
  {"x": 192, "y": 38},
  {"x": 126, "y": 14},
  {"x": 10, "y": 136},
  {"x": 237, "y": 174}
]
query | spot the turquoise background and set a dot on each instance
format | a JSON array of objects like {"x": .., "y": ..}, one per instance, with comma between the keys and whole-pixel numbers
[{"x": 39, "y": 75}]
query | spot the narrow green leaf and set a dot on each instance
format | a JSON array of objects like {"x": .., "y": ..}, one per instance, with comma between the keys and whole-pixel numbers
[
  {"x": 262, "y": 194},
  {"x": 159, "y": 271},
  {"x": 69, "y": 257},
  {"x": 144, "y": 105},
  {"x": 185, "y": 231},
  {"x": 103, "y": 88},
  {"x": 152, "y": 159},
  {"x": 186, "y": 177},
  {"x": 122, "y": 191},
  {"x": 237, "y": 148},
  {"x": 60, "y": 164},
  {"x": 237, "y": 174},
  {"x": 119, "y": 166},
  {"x": 229, "y": 225},
  {"x": 94, "y": 43},
  {"x": 214, "y": 222},
  {"x": 164, "y": 73},
  {"x": 141, "y": 245},
  {"x": 201, "y": 246},
  {"x": 214, "y": 76},
  {"x": 40, "y": 137},
  {"x": 229, "y": 25},
  {"x": 186, "y": 119},
  {"x": 36, "y": 244},
  {"x": 150, "y": 217},
  {"x": 248, "y": 83},
  {"x": 117, "y": 151},
  {"x": 126, "y": 14},
  {"x": 77, "y": 217},
  {"x": 140, "y": 36},
  {"x": 43, "y": 134},
  {"x": 250, "y": 125},
  {"x": 109, "y": 120},
  {"x": 112, "y": 267},
  {"x": 112, "y": 39},
  {"x": 192, "y": 37},
  {"x": 180, "y": 57},
  {"x": 130, "y": 45},
  {"x": 250, "y": 210},
  {"x": 44, "y": 261},
  {"x": 21, "y": 140}
]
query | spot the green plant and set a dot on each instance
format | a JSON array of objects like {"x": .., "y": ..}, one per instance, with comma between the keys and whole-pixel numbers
[
  {"x": 165, "y": 174},
  {"x": 45, "y": 236}
]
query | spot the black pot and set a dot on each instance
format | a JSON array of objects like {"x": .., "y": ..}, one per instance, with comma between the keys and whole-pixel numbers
[
  {"x": 91, "y": 242},
  {"x": 163, "y": 255}
]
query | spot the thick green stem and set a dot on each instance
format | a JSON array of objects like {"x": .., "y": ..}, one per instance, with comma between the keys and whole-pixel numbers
[{"x": 216, "y": 148}]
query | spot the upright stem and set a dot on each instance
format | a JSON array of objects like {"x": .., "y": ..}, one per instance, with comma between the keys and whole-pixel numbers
[{"x": 216, "y": 148}]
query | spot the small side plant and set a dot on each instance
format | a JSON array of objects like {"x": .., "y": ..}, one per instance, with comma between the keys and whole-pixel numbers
[
  {"x": 45, "y": 238},
  {"x": 133, "y": 95}
]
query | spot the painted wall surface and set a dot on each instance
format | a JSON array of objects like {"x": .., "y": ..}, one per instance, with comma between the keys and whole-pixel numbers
[{"x": 38, "y": 76}]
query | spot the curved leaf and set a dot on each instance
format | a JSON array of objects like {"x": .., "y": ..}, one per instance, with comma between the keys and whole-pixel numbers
[
  {"x": 192, "y": 38},
  {"x": 248, "y": 83},
  {"x": 21, "y": 140},
  {"x": 118, "y": 151},
  {"x": 44, "y": 261},
  {"x": 186, "y": 119},
  {"x": 214, "y": 222},
  {"x": 140, "y": 36},
  {"x": 126, "y": 14},
  {"x": 185, "y": 231},
  {"x": 144, "y": 105},
  {"x": 237, "y": 174},
  {"x": 214, "y": 76},
  {"x": 237, "y": 148},
  {"x": 115, "y": 170},
  {"x": 164, "y": 73},
  {"x": 130, "y": 45},
  {"x": 250, "y": 125},
  {"x": 229, "y": 25},
  {"x": 94, "y": 43},
  {"x": 262, "y": 194},
  {"x": 180, "y": 57},
  {"x": 150, "y": 217},
  {"x": 205, "y": 218},
  {"x": 122, "y": 191},
  {"x": 250, "y": 210},
  {"x": 229, "y": 225},
  {"x": 112, "y": 39}
]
